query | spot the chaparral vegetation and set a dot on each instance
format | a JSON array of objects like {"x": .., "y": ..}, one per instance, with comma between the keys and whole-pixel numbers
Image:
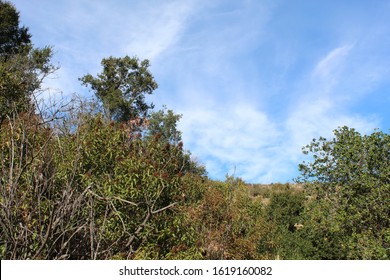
[{"x": 108, "y": 178}]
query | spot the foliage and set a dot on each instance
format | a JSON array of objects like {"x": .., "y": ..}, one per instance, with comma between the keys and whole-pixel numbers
[
  {"x": 228, "y": 222},
  {"x": 38, "y": 214},
  {"x": 21, "y": 77},
  {"x": 283, "y": 213},
  {"x": 22, "y": 67},
  {"x": 13, "y": 39},
  {"x": 349, "y": 179},
  {"x": 122, "y": 86},
  {"x": 88, "y": 190},
  {"x": 131, "y": 182},
  {"x": 164, "y": 124}
]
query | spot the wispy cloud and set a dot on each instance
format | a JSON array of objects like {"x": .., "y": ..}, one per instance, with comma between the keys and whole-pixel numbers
[
  {"x": 157, "y": 29},
  {"x": 239, "y": 135},
  {"x": 332, "y": 62},
  {"x": 269, "y": 149},
  {"x": 324, "y": 102}
]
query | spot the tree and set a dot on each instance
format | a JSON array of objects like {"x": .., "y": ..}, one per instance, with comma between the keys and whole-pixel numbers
[
  {"x": 349, "y": 182},
  {"x": 22, "y": 67},
  {"x": 122, "y": 86},
  {"x": 13, "y": 39},
  {"x": 164, "y": 124}
]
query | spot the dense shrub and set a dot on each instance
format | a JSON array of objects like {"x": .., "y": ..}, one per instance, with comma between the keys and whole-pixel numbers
[{"x": 87, "y": 189}]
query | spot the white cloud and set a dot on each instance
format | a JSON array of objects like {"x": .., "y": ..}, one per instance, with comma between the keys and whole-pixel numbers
[
  {"x": 238, "y": 135},
  {"x": 323, "y": 104},
  {"x": 327, "y": 71},
  {"x": 314, "y": 118},
  {"x": 331, "y": 61},
  {"x": 157, "y": 28}
]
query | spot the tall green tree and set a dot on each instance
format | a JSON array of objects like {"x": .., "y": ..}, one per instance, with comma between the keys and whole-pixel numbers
[
  {"x": 13, "y": 38},
  {"x": 22, "y": 67},
  {"x": 349, "y": 181},
  {"x": 122, "y": 86}
]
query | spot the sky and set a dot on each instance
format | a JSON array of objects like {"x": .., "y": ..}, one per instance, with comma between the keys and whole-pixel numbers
[{"x": 255, "y": 81}]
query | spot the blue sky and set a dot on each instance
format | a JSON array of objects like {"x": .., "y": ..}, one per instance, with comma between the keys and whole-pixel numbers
[{"x": 254, "y": 80}]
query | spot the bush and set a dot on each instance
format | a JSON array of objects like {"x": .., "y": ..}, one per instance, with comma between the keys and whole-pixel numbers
[{"x": 87, "y": 189}]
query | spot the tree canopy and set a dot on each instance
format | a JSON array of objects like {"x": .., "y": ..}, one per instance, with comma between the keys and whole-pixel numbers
[{"x": 121, "y": 87}]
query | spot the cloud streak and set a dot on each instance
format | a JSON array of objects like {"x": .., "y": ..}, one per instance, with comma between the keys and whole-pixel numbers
[{"x": 332, "y": 63}]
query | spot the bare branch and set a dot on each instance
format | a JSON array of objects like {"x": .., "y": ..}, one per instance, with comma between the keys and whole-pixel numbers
[{"x": 164, "y": 208}]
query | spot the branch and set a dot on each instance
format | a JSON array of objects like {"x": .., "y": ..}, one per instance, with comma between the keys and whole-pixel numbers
[
  {"x": 164, "y": 208},
  {"x": 126, "y": 201},
  {"x": 140, "y": 227},
  {"x": 113, "y": 197},
  {"x": 49, "y": 229}
]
